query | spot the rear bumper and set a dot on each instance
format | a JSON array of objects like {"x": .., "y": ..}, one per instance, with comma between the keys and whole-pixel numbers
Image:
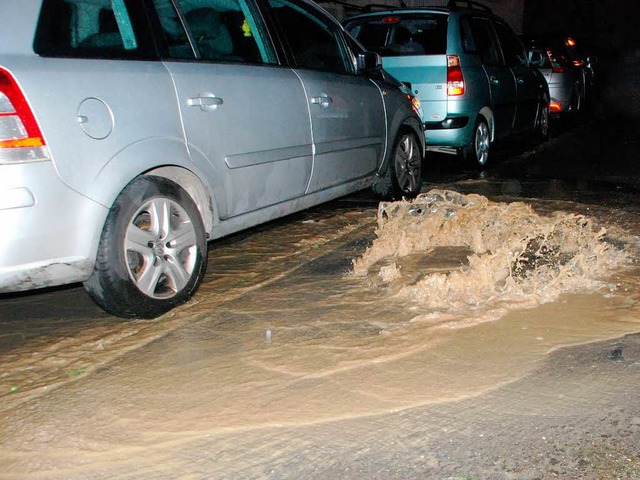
[
  {"x": 49, "y": 234},
  {"x": 447, "y": 124},
  {"x": 561, "y": 97},
  {"x": 448, "y": 135}
]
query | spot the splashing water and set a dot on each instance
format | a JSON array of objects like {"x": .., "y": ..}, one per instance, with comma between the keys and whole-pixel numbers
[{"x": 507, "y": 253}]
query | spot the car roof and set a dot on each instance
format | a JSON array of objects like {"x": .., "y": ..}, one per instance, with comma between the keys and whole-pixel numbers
[{"x": 374, "y": 9}]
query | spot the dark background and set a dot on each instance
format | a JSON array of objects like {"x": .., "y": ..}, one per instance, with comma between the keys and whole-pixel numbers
[{"x": 609, "y": 29}]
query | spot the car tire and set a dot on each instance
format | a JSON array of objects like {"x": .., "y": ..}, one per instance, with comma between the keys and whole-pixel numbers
[
  {"x": 542, "y": 121},
  {"x": 152, "y": 253},
  {"x": 476, "y": 155},
  {"x": 403, "y": 177}
]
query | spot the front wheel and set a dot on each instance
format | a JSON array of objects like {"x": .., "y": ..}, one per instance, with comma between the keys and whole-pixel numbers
[
  {"x": 403, "y": 178},
  {"x": 477, "y": 154},
  {"x": 152, "y": 253}
]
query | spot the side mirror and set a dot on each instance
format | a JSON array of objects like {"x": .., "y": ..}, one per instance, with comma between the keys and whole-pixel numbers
[
  {"x": 369, "y": 62},
  {"x": 535, "y": 58}
]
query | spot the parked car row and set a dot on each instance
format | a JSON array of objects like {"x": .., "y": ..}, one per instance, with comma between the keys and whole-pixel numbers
[{"x": 134, "y": 131}]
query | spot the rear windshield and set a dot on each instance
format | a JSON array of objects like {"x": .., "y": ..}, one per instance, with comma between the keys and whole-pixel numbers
[{"x": 401, "y": 35}]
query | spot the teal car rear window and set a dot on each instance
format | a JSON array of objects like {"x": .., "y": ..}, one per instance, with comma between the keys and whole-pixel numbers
[{"x": 400, "y": 35}]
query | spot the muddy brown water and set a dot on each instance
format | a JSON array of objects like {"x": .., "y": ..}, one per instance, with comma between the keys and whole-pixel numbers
[{"x": 324, "y": 318}]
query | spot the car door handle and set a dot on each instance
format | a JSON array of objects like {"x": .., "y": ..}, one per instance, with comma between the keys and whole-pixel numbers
[
  {"x": 206, "y": 101},
  {"x": 494, "y": 81},
  {"x": 323, "y": 100},
  {"x": 520, "y": 81}
]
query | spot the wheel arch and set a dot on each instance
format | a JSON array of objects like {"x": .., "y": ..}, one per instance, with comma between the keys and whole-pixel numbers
[
  {"x": 486, "y": 114},
  {"x": 192, "y": 184},
  {"x": 167, "y": 158},
  {"x": 401, "y": 122}
]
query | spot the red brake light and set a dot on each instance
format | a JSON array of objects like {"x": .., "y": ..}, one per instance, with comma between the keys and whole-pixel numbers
[
  {"x": 571, "y": 42},
  {"x": 455, "y": 79},
  {"x": 391, "y": 20},
  {"x": 20, "y": 136},
  {"x": 554, "y": 107}
]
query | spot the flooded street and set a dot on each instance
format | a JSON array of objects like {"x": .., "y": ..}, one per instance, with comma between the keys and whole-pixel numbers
[{"x": 489, "y": 330}]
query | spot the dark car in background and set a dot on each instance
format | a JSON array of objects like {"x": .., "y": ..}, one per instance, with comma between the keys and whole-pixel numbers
[{"x": 467, "y": 67}]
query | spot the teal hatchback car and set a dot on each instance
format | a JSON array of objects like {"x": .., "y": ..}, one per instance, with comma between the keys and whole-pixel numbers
[{"x": 467, "y": 67}]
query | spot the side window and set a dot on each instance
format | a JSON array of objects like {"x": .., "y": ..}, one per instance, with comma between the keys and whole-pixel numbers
[
  {"x": 512, "y": 48},
  {"x": 478, "y": 37},
  {"x": 114, "y": 29},
  {"x": 213, "y": 31},
  {"x": 313, "y": 42}
]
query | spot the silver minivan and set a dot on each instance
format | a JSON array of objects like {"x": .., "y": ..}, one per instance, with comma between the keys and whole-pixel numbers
[
  {"x": 569, "y": 76},
  {"x": 134, "y": 131}
]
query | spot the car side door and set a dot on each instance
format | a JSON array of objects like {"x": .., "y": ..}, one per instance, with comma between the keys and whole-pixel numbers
[
  {"x": 502, "y": 83},
  {"x": 347, "y": 110},
  {"x": 242, "y": 112},
  {"x": 528, "y": 82}
]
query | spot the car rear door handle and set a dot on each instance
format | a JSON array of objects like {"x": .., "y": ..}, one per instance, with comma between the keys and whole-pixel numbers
[
  {"x": 206, "y": 101},
  {"x": 323, "y": 100}
]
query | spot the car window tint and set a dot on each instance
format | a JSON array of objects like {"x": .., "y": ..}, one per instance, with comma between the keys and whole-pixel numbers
[
  {"x": 403, "y": 35},
  {"x": 512, "y": 48},
  {"x": 214, "y": 31},
  {"x": 93, "y": 29},
  {"x": 313, "y": 42},
  {"x": 484, "y": 40}
]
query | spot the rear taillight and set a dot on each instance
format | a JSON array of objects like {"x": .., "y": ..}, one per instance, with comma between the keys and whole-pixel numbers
[
  {"x": 20, "y": 137},
  {"x": 555, "y": 106},
  {"x": 415, "y": 104},
  {"x": 455, "y": 80}
]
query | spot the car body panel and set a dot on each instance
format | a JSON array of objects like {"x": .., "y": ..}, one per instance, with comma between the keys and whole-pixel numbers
[
  {"x": 349, "y": 127},
  {"x": 262, "y": 153}
]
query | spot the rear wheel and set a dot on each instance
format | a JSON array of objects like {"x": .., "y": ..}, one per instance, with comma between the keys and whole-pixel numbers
[
  {"x": 152, "y": 253},
  {"x": 477, "y": 154},
  {"x": 403, "y": 177}
]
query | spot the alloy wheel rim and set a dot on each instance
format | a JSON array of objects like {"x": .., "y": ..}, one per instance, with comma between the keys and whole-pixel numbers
[
  {"x": 482, "y": 143},
  {"x": 407, "y": 163},
  {"x": 161, "y": 248}
]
